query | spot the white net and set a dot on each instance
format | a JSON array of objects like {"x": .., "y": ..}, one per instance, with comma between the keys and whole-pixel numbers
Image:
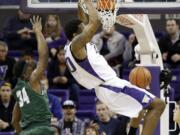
[
  {"x": 106, "y": 11},
  {"x": 108, "y": 18}
]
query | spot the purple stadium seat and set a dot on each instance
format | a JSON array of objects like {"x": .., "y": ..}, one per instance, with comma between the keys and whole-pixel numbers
[
  {"x": 9, "y": 2},
  {"x": 83, "y": 114},
  {"x": 18, "y": 54},
  {"x": 63, "y": 94},
  {"x": 175, "y": 83},
  {"x": 175, "y": 75},
  {"x": 6, "y": 133},
  {"x": 87, "y": 100}
]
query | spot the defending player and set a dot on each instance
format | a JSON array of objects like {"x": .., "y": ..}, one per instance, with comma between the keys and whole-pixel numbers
[
  {"x": 31, "y": 106},
  {"x": 91, "y": 70}
]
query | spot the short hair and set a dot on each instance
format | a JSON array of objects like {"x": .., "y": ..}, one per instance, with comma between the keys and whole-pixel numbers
[
  {"x": 173, "y": 19},
  {"x": 20, "y": 68},
  {"x": 5, "y": 83},
  {"x": 2, "y": 43},
  {"x": 71, "y": 28}
]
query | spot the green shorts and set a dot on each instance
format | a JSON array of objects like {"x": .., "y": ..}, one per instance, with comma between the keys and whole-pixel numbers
[{"x": 41, "y": 130}]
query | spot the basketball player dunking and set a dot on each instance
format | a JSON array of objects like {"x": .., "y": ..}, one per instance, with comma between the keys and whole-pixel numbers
[{"x": 91, "y": 70}]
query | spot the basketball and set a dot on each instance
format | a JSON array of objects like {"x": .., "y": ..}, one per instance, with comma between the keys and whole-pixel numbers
[
  {"x": 140, "y": 76},
  {"x": 106, "y": 4}
]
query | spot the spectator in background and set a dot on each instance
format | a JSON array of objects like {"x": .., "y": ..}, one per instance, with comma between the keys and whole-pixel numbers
[
  {"x": 107, "y": 124},
  {"x": 92, "y": 129},
  {"x": 54, "y": 103},
  {"x": 111, "y": 45},
  {"x": 6, "y": 63},
  {"x": 54, "y": 33},
  {"x": 129, "y": 53},
  {"x": 17, "y": 32},
  {"x": 60, "y": 78},
  {"x": 170, "y": 44},
  {"x": 70, "y": 124},
  {"x": 6, "y": 107}
]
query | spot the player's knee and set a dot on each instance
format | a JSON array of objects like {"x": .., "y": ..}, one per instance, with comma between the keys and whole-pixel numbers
[{"x": 159, "y": 105}]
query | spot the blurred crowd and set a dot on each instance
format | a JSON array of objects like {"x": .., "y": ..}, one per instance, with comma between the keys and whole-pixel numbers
[{"x": 117, "y": 49}]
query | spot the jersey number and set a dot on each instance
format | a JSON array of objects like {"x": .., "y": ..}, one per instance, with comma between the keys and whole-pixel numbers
[
  {"x": 23, "y": 97},
  {"x": 70, "y": 65}
]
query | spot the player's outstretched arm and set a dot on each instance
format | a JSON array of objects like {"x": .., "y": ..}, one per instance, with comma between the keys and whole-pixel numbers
[
  {"x": 78, "y": 43},
  {"x": 82, "y": 15},
  {"x": 42, "y": 51},
  {"x": 16, "y": 118}
]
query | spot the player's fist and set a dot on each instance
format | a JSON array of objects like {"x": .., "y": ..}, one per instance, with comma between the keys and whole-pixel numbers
[{"x": 36, "y": 23}]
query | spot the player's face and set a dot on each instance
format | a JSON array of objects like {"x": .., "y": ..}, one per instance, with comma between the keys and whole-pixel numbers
[
  {"x": 176, "y": 116},
  {"x": 171, "y": 26},
  {"x": 3, "y": 52},
  {"x": 102, "y": 112},
  {"x": 29, "y": 69},
  {"x": 52, "y": 21},
  {"x": 90, "y": 131},
  {"x": 5, "y": 93}
]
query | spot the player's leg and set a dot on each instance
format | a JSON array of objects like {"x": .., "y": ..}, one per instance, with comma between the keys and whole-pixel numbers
[{"x": 155, "y": 109}]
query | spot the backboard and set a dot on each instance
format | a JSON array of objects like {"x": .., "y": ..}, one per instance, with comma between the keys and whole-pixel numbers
[{"x": 125, "y": 7}]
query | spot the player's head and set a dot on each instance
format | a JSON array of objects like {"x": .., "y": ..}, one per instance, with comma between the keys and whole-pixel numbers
[
  {"x": 92, "y": 129},
  {"x": 102, "y": 111},
  {"x": 73, "y": 28},
  {"x": 28, "y": 69},
  {"x": 69, "y": 110},
  {"x": 24, "y": 69},
  {"x": 61, "y": 54},
  {"x": 176, "y": 116},
  {"x": 5, "y": 91},
  {"x": 3, "y": 50},
  {"x": 172, "y": 26}
]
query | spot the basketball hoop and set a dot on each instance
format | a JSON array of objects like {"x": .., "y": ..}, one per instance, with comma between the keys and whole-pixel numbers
[{"x": 106, "y": 10}]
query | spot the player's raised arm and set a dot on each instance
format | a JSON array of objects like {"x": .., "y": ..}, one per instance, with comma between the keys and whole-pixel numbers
[
  {"x": 42, "y": 50},
  {"x": 85, "y": 36},
  {"x": 82, "y": 15}
]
